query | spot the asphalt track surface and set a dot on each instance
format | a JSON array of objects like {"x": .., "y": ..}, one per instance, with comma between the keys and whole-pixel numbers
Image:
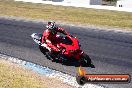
[{"x": 110, "y": 51}]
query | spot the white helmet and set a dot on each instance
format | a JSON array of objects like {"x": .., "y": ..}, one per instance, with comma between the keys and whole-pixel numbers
[{"x": 51, "y": 25}]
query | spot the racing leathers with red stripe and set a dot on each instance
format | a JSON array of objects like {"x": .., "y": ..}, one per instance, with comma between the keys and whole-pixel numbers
[{"x": 50, "y": 38}]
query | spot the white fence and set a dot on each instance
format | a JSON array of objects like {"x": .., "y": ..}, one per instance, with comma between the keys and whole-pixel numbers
[
  {"x": 64, "y": 3},
  {"x": 124, "y": 3}
]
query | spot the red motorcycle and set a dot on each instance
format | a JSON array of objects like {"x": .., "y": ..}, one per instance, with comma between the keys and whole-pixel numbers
[{"x": 69, "y": 50}]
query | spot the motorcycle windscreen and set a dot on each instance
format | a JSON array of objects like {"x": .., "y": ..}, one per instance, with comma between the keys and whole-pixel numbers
[{"x": 67, "y": 41}]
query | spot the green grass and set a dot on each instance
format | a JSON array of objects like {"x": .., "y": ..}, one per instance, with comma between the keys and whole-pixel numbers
[
  {"x": 14, "y": 76},
  {"x": 67, "y": 14}
]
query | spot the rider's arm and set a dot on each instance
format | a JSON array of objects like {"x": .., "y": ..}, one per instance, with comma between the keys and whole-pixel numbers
[
  {"x": 62, "y": 31},
  {"x": 43, "y": 37},
  {"x": 49, "y": 43}
]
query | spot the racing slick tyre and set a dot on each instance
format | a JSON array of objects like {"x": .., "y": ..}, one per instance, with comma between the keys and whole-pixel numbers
[{"x": 86, "y": 61}]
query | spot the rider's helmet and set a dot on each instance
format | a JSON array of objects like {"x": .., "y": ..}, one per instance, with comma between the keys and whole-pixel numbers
[{"x": 51, "y": 25}]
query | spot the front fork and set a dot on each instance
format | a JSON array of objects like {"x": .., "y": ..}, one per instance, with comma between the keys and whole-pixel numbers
[{"x": 79, "y": 55}]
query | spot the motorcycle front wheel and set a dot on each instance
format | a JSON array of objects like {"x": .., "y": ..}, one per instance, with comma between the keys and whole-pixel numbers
[{"x": 86, "y": 61}]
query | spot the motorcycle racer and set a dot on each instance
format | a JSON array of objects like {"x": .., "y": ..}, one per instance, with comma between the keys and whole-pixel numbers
[
  {"x": 64, "y": 48},
  {"x": 50, "y": 36}
]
